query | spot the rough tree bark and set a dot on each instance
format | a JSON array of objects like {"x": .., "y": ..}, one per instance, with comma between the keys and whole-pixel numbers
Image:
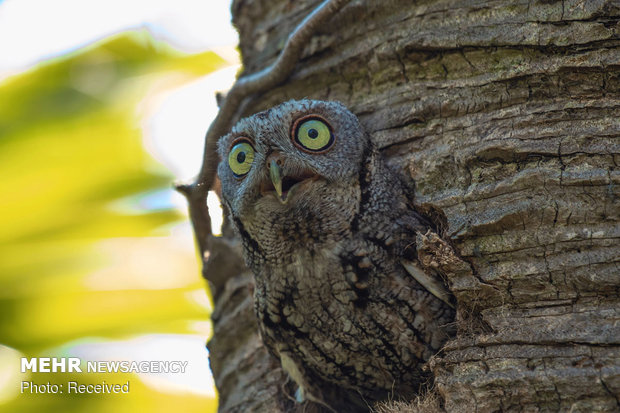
[{"x": 507, "y": 117}]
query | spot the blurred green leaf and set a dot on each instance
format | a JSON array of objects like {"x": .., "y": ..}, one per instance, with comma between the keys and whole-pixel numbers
[{"x": 72, "y": 263}]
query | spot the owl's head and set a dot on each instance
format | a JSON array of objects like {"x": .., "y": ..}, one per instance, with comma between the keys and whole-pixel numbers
[{"x": 293, "y": 157}]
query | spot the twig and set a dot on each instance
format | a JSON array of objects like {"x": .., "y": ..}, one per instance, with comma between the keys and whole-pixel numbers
[{"x": 278, "y": 72}]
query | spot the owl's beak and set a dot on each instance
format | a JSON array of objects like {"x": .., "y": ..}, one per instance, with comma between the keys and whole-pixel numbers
[
  {"x": 275, "y": 173},
  {"x": 284, "y": 182}
]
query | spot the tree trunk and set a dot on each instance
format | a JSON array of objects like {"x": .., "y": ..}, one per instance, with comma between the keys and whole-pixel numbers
[{"x": 507, "y": 117}]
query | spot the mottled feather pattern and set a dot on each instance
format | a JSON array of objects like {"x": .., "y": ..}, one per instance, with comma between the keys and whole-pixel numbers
[{"x": 333, "y": 300}]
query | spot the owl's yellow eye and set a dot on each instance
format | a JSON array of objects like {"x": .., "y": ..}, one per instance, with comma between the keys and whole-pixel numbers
[
  {"x": 313, "y": 134},
  {"x": 240, "y": 158}
]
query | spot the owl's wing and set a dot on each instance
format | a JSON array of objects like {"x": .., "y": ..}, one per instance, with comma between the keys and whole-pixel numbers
[{"x": 432, "y": 284}]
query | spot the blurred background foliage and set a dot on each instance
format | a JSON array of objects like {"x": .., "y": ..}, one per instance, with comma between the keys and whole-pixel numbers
[{"x": 91, "y": 249}]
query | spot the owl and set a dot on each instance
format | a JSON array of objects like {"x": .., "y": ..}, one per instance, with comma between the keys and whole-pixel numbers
[{"x": 329, "y": 231}]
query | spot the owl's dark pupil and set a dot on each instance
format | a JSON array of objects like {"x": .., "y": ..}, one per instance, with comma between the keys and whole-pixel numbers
[
  {"x": 241, "y": 157},
  {"x": 313, "y": 133}
]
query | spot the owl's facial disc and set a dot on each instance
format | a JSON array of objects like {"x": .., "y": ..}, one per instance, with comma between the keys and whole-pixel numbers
[{"x": 286, "y": 185}]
